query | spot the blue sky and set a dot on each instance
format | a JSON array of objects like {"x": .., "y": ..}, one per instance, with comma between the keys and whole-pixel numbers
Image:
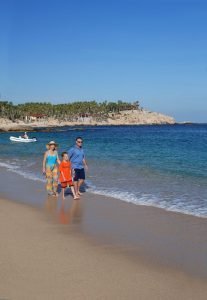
[{"x": 152, "y": 51}]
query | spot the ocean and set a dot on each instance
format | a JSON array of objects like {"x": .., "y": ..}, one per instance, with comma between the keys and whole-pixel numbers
[{"x": 163, "y": 166}]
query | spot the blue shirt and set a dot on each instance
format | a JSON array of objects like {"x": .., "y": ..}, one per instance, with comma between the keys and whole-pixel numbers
[{"x": 76, "y": 156}]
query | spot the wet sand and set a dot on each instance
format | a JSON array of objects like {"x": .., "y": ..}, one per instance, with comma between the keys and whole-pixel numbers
[
  {"x": 38, "y": 261},
  {"x": 96, "y": 248}
]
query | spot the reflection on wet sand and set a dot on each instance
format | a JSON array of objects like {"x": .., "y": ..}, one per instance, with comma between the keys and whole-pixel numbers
[
  {"x": 51, "y": 205},
  {"x": 71, "y": 214},
  {"x": 64, "y": 211}
]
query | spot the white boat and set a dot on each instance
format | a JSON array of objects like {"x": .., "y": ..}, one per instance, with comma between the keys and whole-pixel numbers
[{"x": 22, "y": 140}]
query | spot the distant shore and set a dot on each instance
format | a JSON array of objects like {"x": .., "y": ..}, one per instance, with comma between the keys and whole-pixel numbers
[
  {"x": 45, "y": 127},
  {"x": 129, "y": 117},
  {"x": 38, "y": 127}
]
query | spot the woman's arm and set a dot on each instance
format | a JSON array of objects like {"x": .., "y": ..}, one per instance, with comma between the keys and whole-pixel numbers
[
  {"x": 58, "y": 160},
  {"x": 43, "y": 163}
]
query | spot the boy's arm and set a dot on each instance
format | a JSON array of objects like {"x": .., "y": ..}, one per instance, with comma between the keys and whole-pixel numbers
[
  {"x": 61, "y": 172},
  {"x": 71, "y": 173}
]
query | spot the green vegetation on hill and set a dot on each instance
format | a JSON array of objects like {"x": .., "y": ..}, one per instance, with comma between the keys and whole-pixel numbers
[{"x": 65, "y": 111}]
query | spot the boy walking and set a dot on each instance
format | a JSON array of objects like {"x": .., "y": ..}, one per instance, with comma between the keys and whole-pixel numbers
[{"x": 66, "y": 175}]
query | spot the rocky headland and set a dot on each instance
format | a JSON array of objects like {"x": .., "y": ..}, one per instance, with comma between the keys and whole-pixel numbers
[{"x": 126, "y": 117}]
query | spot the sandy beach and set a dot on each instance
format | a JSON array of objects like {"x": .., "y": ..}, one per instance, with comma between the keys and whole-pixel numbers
[
  {"x": 96, "y": 248},
  {"x": 38, "y": 261},
  {"x": 103, "y": 160}
]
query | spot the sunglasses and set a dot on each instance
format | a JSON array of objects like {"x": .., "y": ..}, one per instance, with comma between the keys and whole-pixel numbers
[{"x": 79, "y": 142}]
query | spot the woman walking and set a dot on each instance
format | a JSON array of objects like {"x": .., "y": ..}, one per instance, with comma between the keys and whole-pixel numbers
[{"x": 50, "y": 168}]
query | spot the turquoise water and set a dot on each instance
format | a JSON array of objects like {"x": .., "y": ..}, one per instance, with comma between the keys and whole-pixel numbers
[{"x": 163, "y": 166}]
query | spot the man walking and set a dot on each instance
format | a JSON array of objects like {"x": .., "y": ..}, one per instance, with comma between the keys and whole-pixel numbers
[{"x": 77, "y": 158}]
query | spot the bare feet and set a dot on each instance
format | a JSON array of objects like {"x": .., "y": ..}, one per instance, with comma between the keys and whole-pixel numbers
[
  {"x": 76, "y": 196},
  {"x": 79, "y": 193},
  {"x": 55, "y": 194}
]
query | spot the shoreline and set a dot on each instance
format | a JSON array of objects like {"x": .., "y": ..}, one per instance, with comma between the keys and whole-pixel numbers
[
  {"x": 107, "y": 195},
  {"x": 156, "y": 236},
  {"x": 45, "y": 128},
  {"x": 48, "y": 127}
]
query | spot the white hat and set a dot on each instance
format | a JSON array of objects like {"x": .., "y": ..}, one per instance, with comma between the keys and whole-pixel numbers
[{"x": 52, "y": 143}]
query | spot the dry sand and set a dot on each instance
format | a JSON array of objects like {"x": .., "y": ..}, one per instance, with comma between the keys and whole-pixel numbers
[{"x": 39, "y": 260}]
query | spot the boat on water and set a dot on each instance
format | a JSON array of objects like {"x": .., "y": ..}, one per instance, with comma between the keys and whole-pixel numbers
[{"x": 22, "y": 140}]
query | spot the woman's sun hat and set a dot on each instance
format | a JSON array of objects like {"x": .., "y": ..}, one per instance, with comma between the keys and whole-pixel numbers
[{"x": 51, "y": 143}]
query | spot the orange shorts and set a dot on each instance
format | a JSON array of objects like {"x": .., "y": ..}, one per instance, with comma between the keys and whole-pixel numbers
[{"x": 66, "y": 183}]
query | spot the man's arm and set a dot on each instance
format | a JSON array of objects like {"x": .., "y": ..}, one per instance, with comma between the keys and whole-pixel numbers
[
  {"x": 85, "y": 164},
  {"x": 70, "y": 153}
]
